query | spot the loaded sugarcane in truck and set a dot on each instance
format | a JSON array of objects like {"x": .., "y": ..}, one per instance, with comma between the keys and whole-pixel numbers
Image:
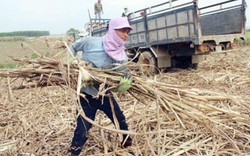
[{"x": 172, "y": 34}]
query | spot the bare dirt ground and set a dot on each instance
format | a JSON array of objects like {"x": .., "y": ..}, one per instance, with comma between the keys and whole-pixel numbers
[{"x": 41, "y": 121}]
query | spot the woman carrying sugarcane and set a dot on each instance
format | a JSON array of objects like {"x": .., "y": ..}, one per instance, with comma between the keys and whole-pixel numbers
[{"x": 102, "y": 52}]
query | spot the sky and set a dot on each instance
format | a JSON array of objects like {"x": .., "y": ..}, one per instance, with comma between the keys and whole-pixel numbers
[{"x": 58, "y": 16}]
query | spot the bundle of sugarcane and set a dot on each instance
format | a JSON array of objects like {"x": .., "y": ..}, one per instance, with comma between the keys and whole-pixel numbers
[
  {"x": 45, "y": 71},
  {"x": 180, "y": 102},
  {"x": 40, "y": 72}
]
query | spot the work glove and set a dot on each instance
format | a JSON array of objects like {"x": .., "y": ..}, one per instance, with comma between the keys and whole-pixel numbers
[{"x": 125, "y": 83}]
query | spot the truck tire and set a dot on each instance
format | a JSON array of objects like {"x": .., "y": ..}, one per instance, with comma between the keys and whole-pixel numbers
[{"x": 147, "y": 63}]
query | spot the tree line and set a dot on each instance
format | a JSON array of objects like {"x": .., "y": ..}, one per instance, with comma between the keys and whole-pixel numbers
[{"x": 25, "y": 33}]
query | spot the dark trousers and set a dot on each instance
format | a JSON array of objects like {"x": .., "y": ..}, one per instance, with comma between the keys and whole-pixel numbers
[{"x": 82, "y": 128}]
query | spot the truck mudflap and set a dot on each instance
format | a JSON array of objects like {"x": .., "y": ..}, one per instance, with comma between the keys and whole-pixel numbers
[
  {"x": 197, "y": 59},
  {"x": 162, "y": 56}
]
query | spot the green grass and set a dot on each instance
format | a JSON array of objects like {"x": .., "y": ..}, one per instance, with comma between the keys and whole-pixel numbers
[
  {"x": 246, "y": 41},
  {"x": 34, "y": 56},
  {"x": 16, "y": 38},
  {"x": 13, "y": 64},
  {"x": 248, "y": 36},
  {"x": 9, "y": 65},
  {"x": 11, "y": 47}
]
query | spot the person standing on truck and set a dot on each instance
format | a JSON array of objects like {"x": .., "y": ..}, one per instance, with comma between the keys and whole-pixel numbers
[
  {"x": 102, "y": 52},
  {"x": 125, "y": 13},
  {"x": 98, "y": 10}
]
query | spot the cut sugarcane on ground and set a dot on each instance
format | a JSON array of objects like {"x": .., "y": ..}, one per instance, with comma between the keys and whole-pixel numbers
[{"x": 182, "y": 112}]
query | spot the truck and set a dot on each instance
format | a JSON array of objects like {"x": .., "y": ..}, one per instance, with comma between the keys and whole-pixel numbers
[{"x": 177, "y": 34}]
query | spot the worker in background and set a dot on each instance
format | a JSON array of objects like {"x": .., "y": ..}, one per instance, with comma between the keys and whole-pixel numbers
[
  {"x": 103, "y": 52},
  {"x": 125, "y": 13},
  {"x": 98, "y": 10}
]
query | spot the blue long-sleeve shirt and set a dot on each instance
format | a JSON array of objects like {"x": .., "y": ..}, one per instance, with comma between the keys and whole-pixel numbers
[{"x": 93, "y": 52}]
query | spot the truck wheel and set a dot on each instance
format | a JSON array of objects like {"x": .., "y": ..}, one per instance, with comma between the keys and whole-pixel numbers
[{"x": 147, "y": 63}]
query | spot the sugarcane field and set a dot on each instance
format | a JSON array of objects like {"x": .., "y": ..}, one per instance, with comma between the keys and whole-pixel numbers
[{"x": 202, "y": 111}]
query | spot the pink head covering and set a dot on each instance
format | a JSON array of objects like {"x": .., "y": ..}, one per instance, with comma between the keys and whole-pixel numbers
[{"x": 113, "y": 44}]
